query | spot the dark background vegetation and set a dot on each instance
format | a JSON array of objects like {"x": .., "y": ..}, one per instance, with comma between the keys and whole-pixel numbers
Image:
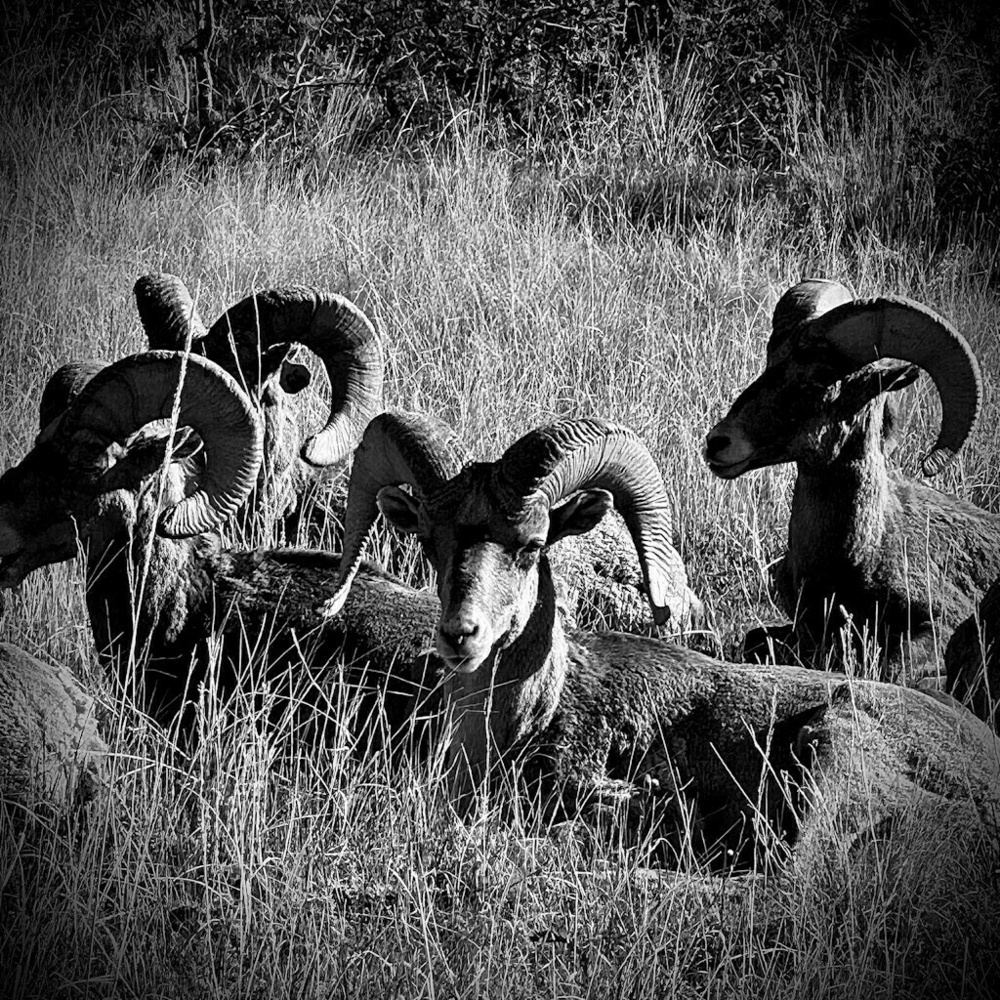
[{"x": 265, "y": 74}]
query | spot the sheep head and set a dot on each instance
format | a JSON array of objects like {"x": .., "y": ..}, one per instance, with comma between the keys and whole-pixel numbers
[
  {"x": 826, "y": 375},
  {"x": 255, "y": 341},
  {"x": 485, "y": 526},
  {"x": 112, "y": 438}
]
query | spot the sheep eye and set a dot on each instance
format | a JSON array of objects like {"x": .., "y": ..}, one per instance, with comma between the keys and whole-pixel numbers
[{"x": 528, "y": 553}]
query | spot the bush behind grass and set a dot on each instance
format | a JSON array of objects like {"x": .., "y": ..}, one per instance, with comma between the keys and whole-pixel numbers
[{"x": 508, "y": 293}]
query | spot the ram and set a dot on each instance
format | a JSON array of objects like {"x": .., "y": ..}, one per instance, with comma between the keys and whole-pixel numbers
[
  {"x": 599, "y": 719},
  {"x": 871, "y": 553},
  {"x": 972, "y": 658},
  {"x": 164, "y": 594},
  {"x": 256, "y": 341}
]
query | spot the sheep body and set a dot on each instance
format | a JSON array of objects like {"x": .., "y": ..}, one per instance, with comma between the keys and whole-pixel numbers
[
  {"x": 663, "y": 727},
  {"x": 51, "y": 752},
  {"x": 869, "y": 551},
  {"x": 892, "y": 556},
  {"x": 248, "y": 610},
  {"x": 603, "y": 587}
]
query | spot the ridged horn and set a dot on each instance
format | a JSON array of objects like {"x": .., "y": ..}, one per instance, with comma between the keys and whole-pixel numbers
[
  {"x": 397, "y": 447},
  {"x": 588, "y": 453},
  {"x": 866, "y": 330},
  {"x": 136, "y": 390},
  {"x": 335, "y": 330},
  {"x": 167, "y": 312}
]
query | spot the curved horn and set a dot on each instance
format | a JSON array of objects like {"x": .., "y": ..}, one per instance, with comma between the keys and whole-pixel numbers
[
  {"x": 334, "y": 329},
  {"x": 397, "y": 447},
  {"x": 167, "y": 312},
  {"x": 866, "y": 330},
  {"x": 63, "y": 386},
  {"x": 796, "y": 309},
  {"x": 141, "y": 388},
  {"x": 581, "y": 454}
]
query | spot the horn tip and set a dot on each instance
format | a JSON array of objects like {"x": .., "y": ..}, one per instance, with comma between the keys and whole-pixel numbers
[
  {"x": 172, "y": 524},
  {"x": 319, "y": 451},
  {"x": 657, "y": 593},
  {"x": 937, "y": 460},
  {"x": 661, "y": 613},
  {"x": 332, "y": 606}
]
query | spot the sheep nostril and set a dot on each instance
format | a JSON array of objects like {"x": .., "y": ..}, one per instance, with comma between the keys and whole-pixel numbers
[
  {"x": 459, "y": 632},
  {"x": 716, "y": 443}
]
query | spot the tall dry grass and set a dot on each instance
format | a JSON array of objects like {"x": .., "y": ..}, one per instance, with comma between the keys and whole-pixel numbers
[{"x": 622, "y": 281}]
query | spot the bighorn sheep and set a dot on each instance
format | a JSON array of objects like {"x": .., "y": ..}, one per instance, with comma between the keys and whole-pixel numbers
[
  {"x": 973, "y": 658},
  {"x": 256, "y": 342},
  {"x": 108, "y": 475},
  {"x": 51, "y": 753},
  {"x": 896, "y": 560},
  {"x": 603, "y": 717}
]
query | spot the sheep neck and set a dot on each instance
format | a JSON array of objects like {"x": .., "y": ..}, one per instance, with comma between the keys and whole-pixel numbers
[
  {"x": 839, "y": 510},
  {"x": 514, "y": 695},
  {"x": 145, "y": 593}
]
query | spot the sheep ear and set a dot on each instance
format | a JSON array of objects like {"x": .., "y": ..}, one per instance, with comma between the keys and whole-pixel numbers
[
  {"x": 899, "y": 377},
  {"x": 400, "y": 509},
  {"x": 145, "y": 453},
  {"x": 294, "y": 377},
  {"x": 861, "y": 387},
  {"x": 578, "y": 514}
]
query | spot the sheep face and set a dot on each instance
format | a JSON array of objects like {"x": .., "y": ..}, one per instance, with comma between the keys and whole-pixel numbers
[
  {"x": 37, "y": 500},
  {"x": 59, "y": 498},
  {"x": 487, "y": 556},
  {"x": 804, "y": 409}
]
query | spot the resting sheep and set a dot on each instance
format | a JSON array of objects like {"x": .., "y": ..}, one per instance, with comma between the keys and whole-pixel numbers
[
  {"x": 256, "y": 341},
  {"x": 163, "y": 592},
  {"x": 973, "y": 658},
  {"x": 868, "y": 549},
  {"x": 51, "y": 753},
  {"x": 602, "y": 719}
]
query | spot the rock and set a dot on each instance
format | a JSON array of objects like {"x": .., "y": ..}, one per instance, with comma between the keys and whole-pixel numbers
[{"x": 51, "y": 753}]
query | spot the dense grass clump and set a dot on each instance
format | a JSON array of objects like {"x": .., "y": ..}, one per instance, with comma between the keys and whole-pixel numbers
[{"x": 624, "y": 272}]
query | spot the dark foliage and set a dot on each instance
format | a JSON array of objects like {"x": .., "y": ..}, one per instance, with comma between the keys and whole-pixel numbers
[{"x": 278, "y": 68}]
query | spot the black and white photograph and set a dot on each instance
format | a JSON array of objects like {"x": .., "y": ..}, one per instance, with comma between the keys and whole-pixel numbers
[{"x": 500, "y": 500}]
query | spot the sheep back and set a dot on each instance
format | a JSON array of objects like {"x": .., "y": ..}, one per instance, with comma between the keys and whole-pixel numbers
[
  {"x": 378, "y": 646},
  {"x": 677, "y": 722}
]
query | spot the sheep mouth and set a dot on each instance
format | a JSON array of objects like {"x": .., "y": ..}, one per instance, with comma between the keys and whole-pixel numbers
[
  {"x": 729, "y": 470},
  {"x": 13, "y": 569},
  {"x": 460, "y": 664}
]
